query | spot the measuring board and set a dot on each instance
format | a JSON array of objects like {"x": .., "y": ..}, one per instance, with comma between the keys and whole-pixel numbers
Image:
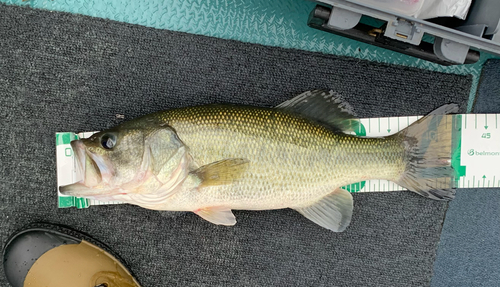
[{"x": 475, "y": 157}]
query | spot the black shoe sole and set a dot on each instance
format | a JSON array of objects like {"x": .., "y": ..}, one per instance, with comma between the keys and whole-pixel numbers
[{"x": 24, "y": 247}]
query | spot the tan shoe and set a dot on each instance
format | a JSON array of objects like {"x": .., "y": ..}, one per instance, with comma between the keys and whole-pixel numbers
[{"x": 50, "y": 255}]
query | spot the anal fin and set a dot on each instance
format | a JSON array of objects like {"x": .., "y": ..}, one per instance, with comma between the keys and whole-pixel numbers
[
  {"x": 332, "y": 212},
  {"x": 217, "y": 215}
]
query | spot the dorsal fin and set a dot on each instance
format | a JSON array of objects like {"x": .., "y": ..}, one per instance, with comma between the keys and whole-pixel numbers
[{"x": 325, "y": 107}]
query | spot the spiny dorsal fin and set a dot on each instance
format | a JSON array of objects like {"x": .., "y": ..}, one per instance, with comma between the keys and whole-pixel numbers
[
  {"x": 325, "y": 107},
  {"x": 221, "y": 172}
]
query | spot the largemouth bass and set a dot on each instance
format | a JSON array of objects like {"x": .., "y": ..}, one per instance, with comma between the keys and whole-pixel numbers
[{"x": 213, "y": 159}]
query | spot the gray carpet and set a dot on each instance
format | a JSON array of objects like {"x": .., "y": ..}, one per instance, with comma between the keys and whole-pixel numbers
[
  {"x": 63, "y": 72},
  {"x": 469, "y": 250}
]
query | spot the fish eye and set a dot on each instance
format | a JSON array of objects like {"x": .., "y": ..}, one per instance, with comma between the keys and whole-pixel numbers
[{"x": 108, "y": 141}]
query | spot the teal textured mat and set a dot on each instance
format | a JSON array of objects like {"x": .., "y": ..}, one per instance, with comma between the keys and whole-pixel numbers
[{"x": 280, "y": 23}]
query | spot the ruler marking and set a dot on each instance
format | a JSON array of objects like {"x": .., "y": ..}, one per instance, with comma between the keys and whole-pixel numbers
[
  {"x": 408, "y": 121},
  {"x": 388, "y": 125},
  {"x": 473, "y": 181},
  {"x": 468, "y": 183},
  {"x": 496, "y": 121},
  {"x": 488, "y": 183},
  {"x": 398, "y": 126},
  {"x": 378, "y": 124},
  {"x": 485, "y": 120},
  {"x": 466, "y": 117},
  {"x": 493, "y": 180},
  {"x": 369, "y": 125},
  {"x": 475, "y": 121}
]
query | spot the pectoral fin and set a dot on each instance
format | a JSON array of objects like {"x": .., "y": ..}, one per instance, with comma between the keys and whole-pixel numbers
[
  {"x": 217, "y": 215},
  {"x": 333, "y": 211},
  {"x": 221, "y": 172}
]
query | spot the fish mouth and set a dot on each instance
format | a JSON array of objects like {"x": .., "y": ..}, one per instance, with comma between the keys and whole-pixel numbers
[{"x": 91, "y": 167}]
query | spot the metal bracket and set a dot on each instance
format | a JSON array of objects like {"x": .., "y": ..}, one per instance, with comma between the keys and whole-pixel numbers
[{"x": 404, "y": 31}]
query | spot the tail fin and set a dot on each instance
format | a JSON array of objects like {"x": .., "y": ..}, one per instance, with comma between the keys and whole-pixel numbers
[{"x": 428, "y": 146}]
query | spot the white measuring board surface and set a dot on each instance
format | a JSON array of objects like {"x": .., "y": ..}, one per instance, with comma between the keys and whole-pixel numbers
[
  {"x": 480, "y": 151},
  {"x": 475, "y": 158}
]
